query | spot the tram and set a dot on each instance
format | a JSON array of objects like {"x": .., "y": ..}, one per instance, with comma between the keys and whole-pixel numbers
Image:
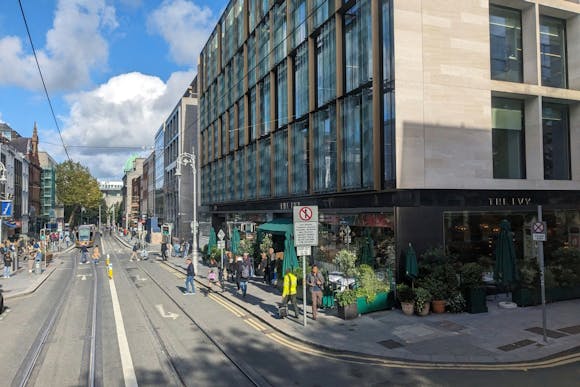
[{"x": 85, "y": 235}]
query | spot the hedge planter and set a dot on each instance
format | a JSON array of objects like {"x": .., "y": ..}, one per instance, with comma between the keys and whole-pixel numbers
[
  {"x": 382, "y": 301},
  {"x": 526, "y": 296},
  {"x": 408, "y": 308},
  {"x": 476, "y": 301},
  {"x": 348, "y": 312},
  {"x": 425, "y": 310},
  {"x": 438, "y": 306},
  {"x": 532, "y": 296}
]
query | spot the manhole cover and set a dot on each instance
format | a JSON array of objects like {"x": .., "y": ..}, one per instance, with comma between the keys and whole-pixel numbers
[
  {"x": 516, "y": 345},
  {"x": 549, "y": 333},
  {"x": 390, "y": 344}
]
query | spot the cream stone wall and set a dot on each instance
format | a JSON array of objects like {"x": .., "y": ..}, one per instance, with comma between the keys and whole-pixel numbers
[{"x": 443, "y": 96}]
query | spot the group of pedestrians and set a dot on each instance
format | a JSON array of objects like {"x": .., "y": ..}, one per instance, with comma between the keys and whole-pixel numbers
[
  {"x": 95, "y": 256},
  {"x": 11, "y": 250}
]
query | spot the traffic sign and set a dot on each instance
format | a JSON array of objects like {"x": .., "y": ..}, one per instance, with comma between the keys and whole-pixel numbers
[
  {"x": 6, "y": 208},
  {"x": 221, "y": 244},
  {"x": 302, "y": 251},
  {"x": 539, "y": 231},
  {"x": 305, "y": 225},
  {"x": 221, "y": 234}
]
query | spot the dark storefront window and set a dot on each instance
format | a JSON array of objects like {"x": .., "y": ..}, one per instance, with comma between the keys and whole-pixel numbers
[
  {"x": 505, "y": 27},
  {"x": 508, "y": 138},
  {"x": 553, "y": 51},
  {"x": 556, "y": 137},
  {"x": 265, "y": 167}
]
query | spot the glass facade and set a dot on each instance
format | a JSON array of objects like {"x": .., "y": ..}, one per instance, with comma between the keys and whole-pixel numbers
[
  {"x": 553, "y": 51},
  {"x": 505, "y": 25},
  {"x": 282, "y": 95},
  {"x": 326, "y": 64},
  {"x": 265, "y": 106},
  {"x": 300, "y": 157},
  {"x": 281, "y": 163},
  {"x": 508, "y": 138},
  {"x": 265, "y": 169},
  {"x": 556, "y": 140},
  {"x": 301, "y": 81},
  {"x": 358, "y": 45},
  {"x": 357, "y": 141},
  {"x": 324, "y": 154},
  {"x": 252, "y": 180},
  {"x": 299, "y": 20}
]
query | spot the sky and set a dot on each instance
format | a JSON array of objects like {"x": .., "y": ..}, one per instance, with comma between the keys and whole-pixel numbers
[{"x": 114, "y": 70}]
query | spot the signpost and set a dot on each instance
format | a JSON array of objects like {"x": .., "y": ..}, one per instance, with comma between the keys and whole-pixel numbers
[
  {"x": 221, "y": 245},
  {"x": 5, "y": 211},
  {"x": 539, "y": 235},
  {"x": 305, "y": 236}
]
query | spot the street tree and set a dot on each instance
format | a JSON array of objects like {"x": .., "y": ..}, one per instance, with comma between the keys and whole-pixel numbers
[{"x": 76, "y": 189}]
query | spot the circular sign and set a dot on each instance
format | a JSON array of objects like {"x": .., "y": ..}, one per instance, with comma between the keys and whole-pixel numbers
[
  {"x": 305, "y": 214},
  {"x": 538, "y": 228}
]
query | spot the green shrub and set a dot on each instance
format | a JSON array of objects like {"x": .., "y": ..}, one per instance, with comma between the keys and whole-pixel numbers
[
  {"x": 405, "y": 293},
  {"x": 346, "y": 297},
  {"x": 457, "y": 303},
  {"x": 422, "y": 297},
  {"x": 368, "y": 285},
  {"x": 346, "y": 262},
  {"x": 471, "y": 275}
]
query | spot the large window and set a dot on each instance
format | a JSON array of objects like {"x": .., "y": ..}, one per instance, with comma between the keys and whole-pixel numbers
[
  {"x": 299, "y": 18},
  {"x": 252, "y": 115},
  {"x": 251, "y": 61},
  {"x": 321, "y": 11},
  {"x": 240, "y": 126},
  {"x": 325, "y": 149},
  {"x": 263, "y": 42},
  {"x": 300, "y": 157},
  {"x": 265, "y": 106},
  {"x": 239, "y": 83},
  {"x": 281, "y": 163},
  {"x": 282, "y": 95},
  {"x": 280, "y": 32},
  {"x": 232, "y": 130},
  {"x": 230, "y": 171},
  {"x": 508, "y": 138},
  {"x": 241, "y": 172},
  {"x": 358, "y": 45},
  {"x": 325, "y": 64},
  {"x": 556, "y": 136},
  {"x": 553, "y": 51},
  {"x": 251, "y": 172},
  {"x": 265, "y": 168},
  {"x": 505, "y": 28},
  {"x": 301, "y": 81},
  {"x": 357, "y": 141}
]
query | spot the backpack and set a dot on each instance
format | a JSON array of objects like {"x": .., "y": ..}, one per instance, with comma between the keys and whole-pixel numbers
[{"x": 245, "y": 271}]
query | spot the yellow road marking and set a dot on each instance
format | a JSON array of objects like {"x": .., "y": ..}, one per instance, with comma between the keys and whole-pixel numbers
[
  {"x": 252, "y": 325},
  {"x": 236, "y": 313}
]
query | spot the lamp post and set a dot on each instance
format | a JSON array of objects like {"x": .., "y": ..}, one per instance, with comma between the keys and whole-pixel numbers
[
  {"x": 3, "y": 180},
  {"x": 189, "y": 159}
]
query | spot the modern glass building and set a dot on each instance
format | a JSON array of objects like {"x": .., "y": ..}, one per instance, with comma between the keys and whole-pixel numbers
[{"x": 406, "y": 121}]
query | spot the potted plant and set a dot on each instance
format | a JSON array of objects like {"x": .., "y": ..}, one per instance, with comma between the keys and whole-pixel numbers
[
  {"x": 422, "y": 301},
  {"x": 372, "y": 292},
  {"x": 346, "y": 262},
  {"x": 457, "y": 303},
  {"x": 472, "y": 285},
  {"x": 438, "y": 291},
  {"x": 347, "y": 308},
  {"x": 406, "y": 297}
]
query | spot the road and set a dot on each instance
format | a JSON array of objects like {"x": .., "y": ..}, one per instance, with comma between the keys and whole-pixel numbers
[{"x": 147, "y": 333}]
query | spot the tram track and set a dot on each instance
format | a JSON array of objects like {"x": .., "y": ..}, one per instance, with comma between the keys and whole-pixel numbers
[
  {"x": 248, "y": 374},
  {"x": 30, "y": 368}
]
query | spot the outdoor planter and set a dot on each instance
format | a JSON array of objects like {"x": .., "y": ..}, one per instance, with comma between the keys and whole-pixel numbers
[
  {"x": 348, "y": 312},
  {"x": 408, "y": 308},
  {"x": 425, "y": 310},
  {"x": 382, "y": 301},
  {"x": 476, "y": 301},
  {"x": 562, "y": 294},
  {"x": 526, "y": 296},
  {"x": 438, "y": 306}
]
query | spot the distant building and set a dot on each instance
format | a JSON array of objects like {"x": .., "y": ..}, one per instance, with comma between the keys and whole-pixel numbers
[
  {"x": 112, "y": 191},
  {"x": 132, "y": 190},
  {"x": 47, "y": 187}
]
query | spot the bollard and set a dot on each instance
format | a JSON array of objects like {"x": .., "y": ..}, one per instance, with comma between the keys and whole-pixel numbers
[
  {"x": 108, "y": 260},
  {"x": 110, "y": 270},
  {"x": 37, "y": 267}
]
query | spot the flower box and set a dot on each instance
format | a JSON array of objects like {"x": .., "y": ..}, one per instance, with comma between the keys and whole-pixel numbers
[{"x": 383, "y": 301}]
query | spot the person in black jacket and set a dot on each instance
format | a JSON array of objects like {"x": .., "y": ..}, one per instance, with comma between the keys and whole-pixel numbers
[{"x": 189, "y": 279}]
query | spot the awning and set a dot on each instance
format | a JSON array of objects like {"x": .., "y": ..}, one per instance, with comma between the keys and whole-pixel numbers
[{"x": 277, "y": 226}]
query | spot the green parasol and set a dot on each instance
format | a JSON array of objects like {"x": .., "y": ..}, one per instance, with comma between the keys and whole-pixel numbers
[
  {"x": 411, "y": 269},
  {"x": 212, "y": 240},
  {"x": 505, "y": 256},
  {"x": 235, "y": 241},
  {"x": 290, "y": 259}
]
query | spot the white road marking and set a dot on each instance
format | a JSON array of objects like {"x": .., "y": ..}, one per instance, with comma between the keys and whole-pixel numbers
[
  {"x": 140, "y": 279},
  {"x": 126, "y": 359},
  {"x": 84, "y": 276},
  {"x": 165, "y": 314}
]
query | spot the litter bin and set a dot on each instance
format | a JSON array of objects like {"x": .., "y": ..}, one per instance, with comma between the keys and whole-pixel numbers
[{"x": 38, "y": 267}]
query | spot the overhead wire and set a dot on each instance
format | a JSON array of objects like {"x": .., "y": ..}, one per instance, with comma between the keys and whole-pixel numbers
[{"x": 42, "y": 79}]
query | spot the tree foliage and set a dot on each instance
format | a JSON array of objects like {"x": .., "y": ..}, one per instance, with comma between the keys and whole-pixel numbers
[{"x": 76, "y": 188}]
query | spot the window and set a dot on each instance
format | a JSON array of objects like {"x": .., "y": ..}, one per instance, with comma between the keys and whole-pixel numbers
[
  {"x": 357, "y": 141},
  {"x": 280, "y": 32},
  {"x": 387, "y": 41},
  {"x": 251, "y": 61},
  {"x": 325, "y": 64},
  {"x": 216, "y": 143},
  {"x": 240, "y": 166},
  {"x": 553, "y": 51},
  {"x": 265, "y": 106},
  {"x": 281, "y": 163},
  {"x": 325, "y": 149},
  {"x": 239, "y": 7},
  {"x": 239, "y": 83},
  {"x": 358, "y": 45},
  {"x": 223, "y": 136},
  {"x": 230, "y": 171},
  {"x": 299, "y": 18},
  {"x": 265, "y": 168},
  {"x": 251, "y": 172},
  {"x": 322, "y": 9},
  {"x": 231, "y": 130},
  {"x": 556, "y": 138},
  {"x": 301, "y": 81},
  {"x": 263, "y": 43},
  {"x": 505, "y": 28},
  {"x": 282, "y": 95},
  {"x": 300, "y": 157},
  {"x": 508, "y": 138},
  {"x": 252, "y": 115},
  {"x": 240, "y": 127},
  {"x": 252, "y": 14}
]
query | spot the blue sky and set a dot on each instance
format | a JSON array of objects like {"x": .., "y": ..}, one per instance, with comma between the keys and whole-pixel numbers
[{"x": 114, "y": 70}]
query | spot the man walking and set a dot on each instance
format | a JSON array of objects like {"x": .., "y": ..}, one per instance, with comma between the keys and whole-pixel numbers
[
  {"x": 134, "y": 252},
  {"x": 189, "y": 279},
  {"x": 289, "y": 291},
  {"x": 244, "y": 273},
  {"x": 315, "y": 281},
  {"x": 164, "y": 251}
]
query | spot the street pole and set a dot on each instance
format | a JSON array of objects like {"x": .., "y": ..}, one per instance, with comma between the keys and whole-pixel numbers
[
  {"x": 194, "y": 167},
  {"x": 99, "y": 218},
  {"x": 304, "y": 288},
  {"x": 542, "y": 279}
]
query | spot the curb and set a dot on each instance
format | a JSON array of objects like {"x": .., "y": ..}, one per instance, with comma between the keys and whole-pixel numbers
[{"x": 32, "y": 289}]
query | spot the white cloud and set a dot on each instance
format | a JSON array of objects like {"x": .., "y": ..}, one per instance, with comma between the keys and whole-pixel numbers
[
  {"x": 74, "y": 46},
  {"x": 185, "y": 26},
  {"x": 1, "y": 120},
  {"x": 126, "y": 111}
]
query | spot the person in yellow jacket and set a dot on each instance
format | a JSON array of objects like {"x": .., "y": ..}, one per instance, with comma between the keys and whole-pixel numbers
[{"x": 289, "y": 292}]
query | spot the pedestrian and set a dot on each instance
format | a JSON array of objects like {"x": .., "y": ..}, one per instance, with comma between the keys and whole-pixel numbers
[
  {"x": 176, "y": 248},
  {"x": 164, "y": 251},
  {"x": 245, "y": 273},
  {"x": 238, "y": 270},
  {"x": 96, "y": 254},
  {"x": 315, "y": 280},
  {"x": 185, "y": 249},
  {"x": 289, "y": 292},
  {"x": 84, "y": 254},
  {"x": 7, "y": 260},
  {"x": 134, "y": 253},
  {"x": 212, "y": 275},
  {"x": 67, "y": 240},
  {"x": 230, "y": 266},
  {"x": 189, "y": 279}
]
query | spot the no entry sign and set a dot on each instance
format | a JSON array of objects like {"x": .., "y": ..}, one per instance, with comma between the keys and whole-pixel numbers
[{"x": 305, "y": 225}]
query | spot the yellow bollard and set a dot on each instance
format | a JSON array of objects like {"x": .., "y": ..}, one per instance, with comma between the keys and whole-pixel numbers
[
  {"x": 110, "y": 270},
  {"x": 108, "y": 260}
]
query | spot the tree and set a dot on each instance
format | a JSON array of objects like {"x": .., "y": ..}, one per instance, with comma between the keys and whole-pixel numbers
[{"x": 76, "y": 188}]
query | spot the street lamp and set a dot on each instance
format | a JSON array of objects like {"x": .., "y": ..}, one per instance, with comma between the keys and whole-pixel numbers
[
  {"x": 3, "y": 180},
  {"x": 189, "y": 159}
]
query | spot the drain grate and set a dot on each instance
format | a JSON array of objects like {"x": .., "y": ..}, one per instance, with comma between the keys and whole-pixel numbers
[
  {"x": 516, "y": 345},
  {"x": 391, "y": 344},
  {"x": 573, "y": 330},
  {"x": 450, "y": 326},
  {"x": 549, "y": 333}
]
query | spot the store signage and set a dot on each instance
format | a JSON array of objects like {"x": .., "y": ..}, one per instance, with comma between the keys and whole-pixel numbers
[
  {"x": 221, "y": 244},
  {"x": 288, "y": 205},
  {"x": 510, "y": 201},
  {"x": 539, "y": 231}
]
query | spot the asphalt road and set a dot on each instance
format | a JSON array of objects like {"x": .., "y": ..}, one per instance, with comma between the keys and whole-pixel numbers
[{"x": 199, "y": 340}]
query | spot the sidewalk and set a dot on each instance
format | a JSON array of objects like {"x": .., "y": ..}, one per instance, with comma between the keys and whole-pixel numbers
[
  {"x": 22, "y": 283},
  {"x": 499, "y": 336}
]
